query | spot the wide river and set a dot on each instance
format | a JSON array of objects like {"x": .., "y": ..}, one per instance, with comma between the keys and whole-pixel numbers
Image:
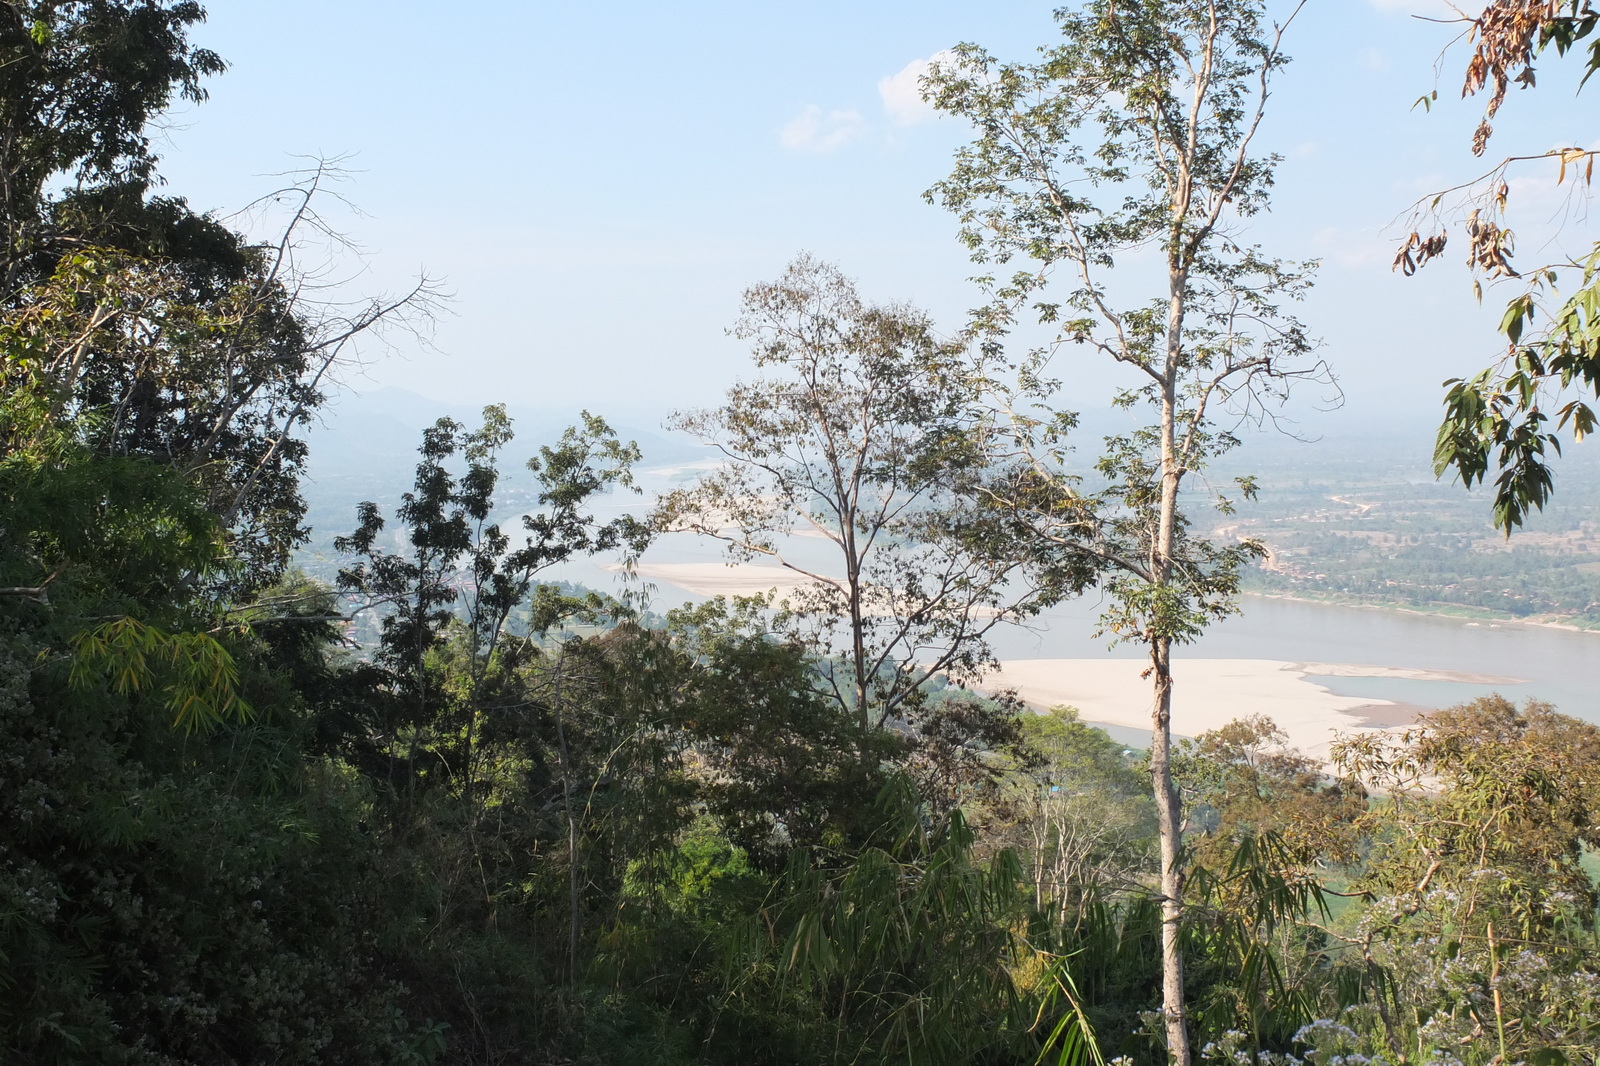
[{"x": 1557, "y": 665}]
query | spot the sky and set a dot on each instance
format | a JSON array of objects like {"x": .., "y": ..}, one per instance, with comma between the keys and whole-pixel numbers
[{"x": 595, "y": 184}]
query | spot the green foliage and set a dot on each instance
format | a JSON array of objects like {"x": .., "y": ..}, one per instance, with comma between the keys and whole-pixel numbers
[
  {"x": 908, "y": 951},
  {"x": 447, "y": 601},
  {"x": 1080, "y": 811},
  {"x": 132, "y": 325},
  {"x": 792, "y": 768},
  {"x": 212, "y": 902},
  {"x": 193, "y": 671},
  {"x": 446, "y": 520},
  {"x": 1076, "y": 753},
  {"x": 79, "y": 82},
  {"x": 1244, "y": 784},
  {"x": 497, "y": 837},
  {"x": 1508, "y": 419},
  {"x": 1472, "y": 940},
  {"x": 202, "y": 365},
  {"x": 1496, "y": 422},
  {"x": 861, "y": 431},
  {"x": 99, "y": 532},
  {"x": 1489, "y": 799},
  {"x": 1254, "y": 966},
  {"x": 1082, "y": 158}
]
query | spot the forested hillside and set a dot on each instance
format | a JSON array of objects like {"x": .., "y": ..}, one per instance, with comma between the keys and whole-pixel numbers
[{"x": 442, "y": 809}]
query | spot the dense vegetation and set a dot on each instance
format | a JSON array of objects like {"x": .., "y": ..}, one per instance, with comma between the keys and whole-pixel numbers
[{"x": 530, "y": 824}]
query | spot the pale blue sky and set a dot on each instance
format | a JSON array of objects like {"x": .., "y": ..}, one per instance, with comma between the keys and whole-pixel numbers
[{"x": 597, "y": 182}]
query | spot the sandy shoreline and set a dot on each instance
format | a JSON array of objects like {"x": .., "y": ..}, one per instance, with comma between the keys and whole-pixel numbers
[
  {"x": 724, "y": 579},
  {"x": 748, "y": 579},
  {"x": 1207, "y": 694},
  {"x": 1405, "y": 673},
  {"x": 1388, "y": 715}
]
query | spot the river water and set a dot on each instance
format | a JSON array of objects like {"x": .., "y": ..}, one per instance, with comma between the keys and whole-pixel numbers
[{"x": 1557, "y": 665}]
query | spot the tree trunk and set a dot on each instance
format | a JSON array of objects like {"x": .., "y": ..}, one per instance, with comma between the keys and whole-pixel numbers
[
  {"x": 1170, "y": 821},
  {"x": 1169, "y": 812},
  {"x": 858, "y": 623}
]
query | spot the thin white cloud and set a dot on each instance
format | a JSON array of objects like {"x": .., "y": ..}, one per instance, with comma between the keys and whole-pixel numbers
[
  {"x": 902, "y": 92},
  {"x": 1361, "y": 247},
  {"x": 815, "y": 130}
]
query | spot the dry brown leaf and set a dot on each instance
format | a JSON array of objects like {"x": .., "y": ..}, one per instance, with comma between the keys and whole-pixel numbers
[
  {"x": 1417, "y": 251},
  {"x": 1505, "y": 36},
  {"x": 1491, "y": 248}
]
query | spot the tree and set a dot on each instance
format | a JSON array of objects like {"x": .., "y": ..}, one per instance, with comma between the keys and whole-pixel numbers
[
  {"x": 1481, "y": 908},
  {"x": 861, "y": 437},
  {"x": 79, "y": 84},
  {"x": 170, "y": 336},
  {"x": 1136, "y": 133},
  {"x": 1496, "y": 800},
  {"x": 785, "y": 766},
  {"x": 462, "y": 566},
  {"x": 176, "y": 336},
  {"x": 1082, "y": 810},
  {"x": 1253, "y": 783},
  {"x": 1504, "y": 421}
]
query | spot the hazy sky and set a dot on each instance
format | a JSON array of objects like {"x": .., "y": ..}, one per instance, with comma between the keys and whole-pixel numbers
[{"x": 597, "y": 182}]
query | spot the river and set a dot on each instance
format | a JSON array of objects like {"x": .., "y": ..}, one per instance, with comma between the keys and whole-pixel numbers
[{"x": 1557, "y": 665}]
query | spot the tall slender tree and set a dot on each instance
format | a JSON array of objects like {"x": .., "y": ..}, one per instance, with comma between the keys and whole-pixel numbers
[
  {"x": 1135, "y": 136},
  {"x": 860, "y": 436}
]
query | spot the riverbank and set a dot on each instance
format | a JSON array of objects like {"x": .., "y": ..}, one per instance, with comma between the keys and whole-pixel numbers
[
  {"x": 1459, "y": 612},
  {"x": 747, "y": 579},
  {"x": 1210, "y": 693},
  {"x": 724, "y": 579},
  {"x": 1319, "y": 667}
]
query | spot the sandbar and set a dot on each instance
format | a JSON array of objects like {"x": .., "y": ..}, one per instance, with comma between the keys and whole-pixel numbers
[
  {"x": 725, "y": 579},
  {"x": 1207, "y": 694},
  {"x": 1405, "y": 673}
]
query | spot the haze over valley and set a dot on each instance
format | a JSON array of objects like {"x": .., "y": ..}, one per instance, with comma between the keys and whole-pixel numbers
[{"x": 816, "y": 534}]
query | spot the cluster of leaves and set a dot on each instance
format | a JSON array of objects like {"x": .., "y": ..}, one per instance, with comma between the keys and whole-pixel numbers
[
  {"x": 1429, "y": 904},
  {"x": 1507, "y": 421}
]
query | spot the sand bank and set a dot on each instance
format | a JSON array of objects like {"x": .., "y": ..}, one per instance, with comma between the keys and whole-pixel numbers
[
  {"x": 724, "y": 579},
  {"x": 750, "y": 579},
  {"x": 1404, "y": 673},
  {"x": 1207, "y": 694}
]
